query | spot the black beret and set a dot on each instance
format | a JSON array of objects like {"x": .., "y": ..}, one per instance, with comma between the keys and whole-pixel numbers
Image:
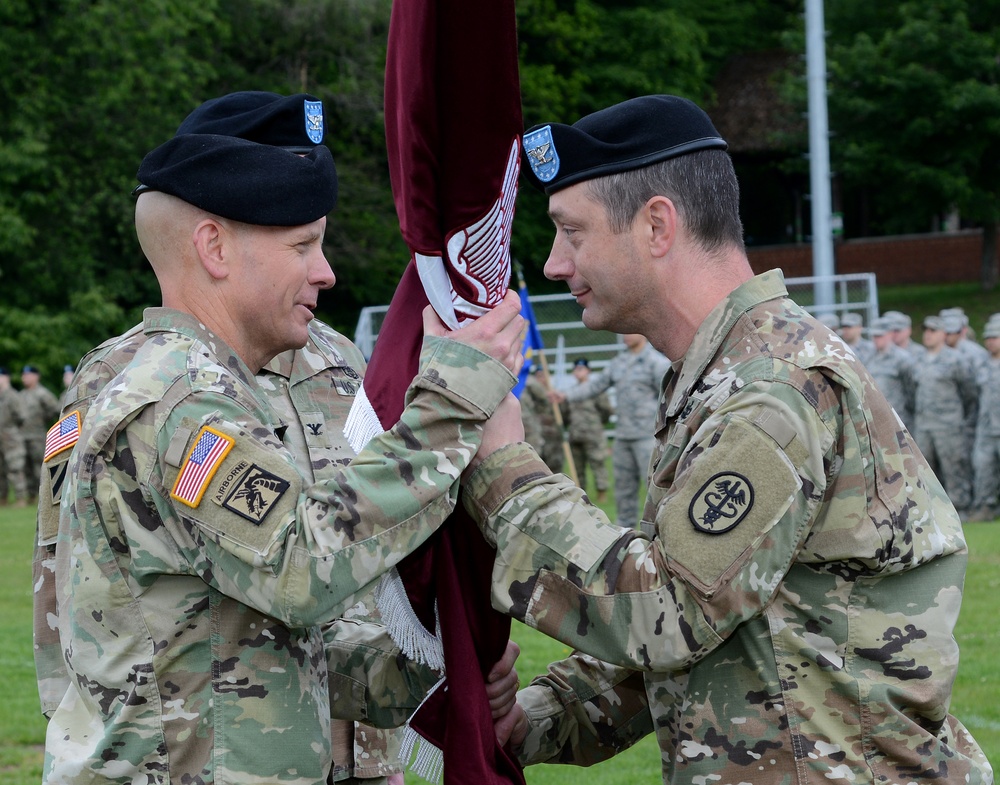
[
  {"x": 29, "y": 369},
  {"x": 625, "y": 136},
  {"x": 294, "y": 122},
  {"x": 241, "y": 180},
  {"x": 581, "y": 361}
]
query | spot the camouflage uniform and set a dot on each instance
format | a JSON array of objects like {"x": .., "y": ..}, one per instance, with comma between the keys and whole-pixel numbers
[
  {"x": 975, "y": 356},
  {"x": 360, "y": 751},
  {"x": 894, "y": 371},
  {"x": 986, "y": 449},
  {"x": 588, "y": 442},
  {"x": 552, "y": 436},
  {"x": 39, "y": 408},
  {"x": 777, "y": 628},
  {"x": 312, "y": 391},
  {"x": 533, "y": 401},
  {"x": 863, "y": 349},
  {"x": 636, "y": 377},
  {"x": 11, "y": 448},
  {"x": 95, "y": 371},
  {"x": 946, "y": 394},
  {"x": 207, "y": 588}
]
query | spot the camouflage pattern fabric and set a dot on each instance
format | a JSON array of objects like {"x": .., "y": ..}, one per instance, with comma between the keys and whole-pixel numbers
[
  {"x": 894, "y": 371},
  {"x": 916, "y": 349},
  {"x": 636, "y": 377},
  {"x": 11, "y": 447},
  {"x": 39, "y": 410},
  {"x": 533, "y": 402},
  {"x": 946, "y": 402},
  {"x": 588, "y": 442},
  {"x": 986, "y": 448},
  {"x": 324, "y": 381},
  {"x": 191, "y": 599},
  {"x": 975, "y": 355},
  {"x": 552, "y": 435},
  {"x": 312, "y": 390},
  {"x": 629, "y": 464},
  {"x": 791, "y": 620},
  {"x": 97, "y": 368},
  {"x": 863, "y": 349}
]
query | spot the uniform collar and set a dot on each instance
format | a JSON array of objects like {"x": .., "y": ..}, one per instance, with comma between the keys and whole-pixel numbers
[
  {"x": 159, "y": 320},
  {"x": 716, "y": 326},
  {"x": 316, "y": 356}
]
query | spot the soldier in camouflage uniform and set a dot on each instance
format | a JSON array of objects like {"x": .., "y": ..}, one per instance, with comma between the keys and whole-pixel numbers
[
  {"x": 231, "y": 558},
  {"x": 946, "y": 399},
  {"x": 789, "y": 617},
  {"x": 636, "y": 374},
  {"x": 975, "y": 356},
  {"x": 901, "y": 328},
  {"x": 894, "y": 372},
  {"x": 553, "y": 442},
  {"x": 312, "y": 389},
  {"x": 588, "y": 442},
  {"x": 11, "y": 445},
  {"x": 851, "y": 327},
  {"x": 986, "y": 448},
  {"x": 39, "y": 409},
  {"x": 533, "y": 402}
]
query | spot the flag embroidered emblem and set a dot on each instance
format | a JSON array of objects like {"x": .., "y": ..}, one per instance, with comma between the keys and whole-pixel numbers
[
  {"x": 62, "y": 436},
  {"x": 206, "y": 456}
]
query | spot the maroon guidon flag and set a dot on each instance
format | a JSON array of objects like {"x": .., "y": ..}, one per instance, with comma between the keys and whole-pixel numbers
[{"x": 453, "y": 134}]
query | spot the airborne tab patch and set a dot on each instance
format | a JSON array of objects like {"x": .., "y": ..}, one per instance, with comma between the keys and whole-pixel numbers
[
  {"x": 721, "y": 503},
  {"x": 206, "y": 456},
  {"x": 256, "y": 494},
  {"x": 62, "y": 436}
]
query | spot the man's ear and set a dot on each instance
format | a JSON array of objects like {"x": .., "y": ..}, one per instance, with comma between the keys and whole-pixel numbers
[
  {"x": 212, "y": 242},
  {"x": 661, "y": 214}
]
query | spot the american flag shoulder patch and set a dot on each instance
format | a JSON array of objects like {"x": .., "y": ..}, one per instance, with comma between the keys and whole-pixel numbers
[
  {"x": 209, "y": 450},
  {"x": 62, "y": 436}
]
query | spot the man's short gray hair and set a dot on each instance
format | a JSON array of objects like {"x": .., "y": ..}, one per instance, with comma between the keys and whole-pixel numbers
[{"x": 701, "y": 185}]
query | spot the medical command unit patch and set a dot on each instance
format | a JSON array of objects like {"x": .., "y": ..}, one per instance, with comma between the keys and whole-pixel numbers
[{"x": 206, "y": 456}]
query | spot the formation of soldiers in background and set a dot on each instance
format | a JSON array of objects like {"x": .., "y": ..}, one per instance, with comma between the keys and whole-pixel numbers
[
  {"x": 25, "y": 418},
  {"x": 945, "y": 389}
]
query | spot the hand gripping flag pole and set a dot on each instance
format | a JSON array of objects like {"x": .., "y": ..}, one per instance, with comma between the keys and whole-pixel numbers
[{"x": 453, "y": 129}]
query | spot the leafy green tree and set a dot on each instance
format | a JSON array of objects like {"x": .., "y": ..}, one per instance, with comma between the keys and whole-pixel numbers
[
  {"x": 915, "y": 103},
  {"x": 578, "y": 56},
  {"x": 89, "y": 87},
  {"x": 335, "y": 50}
]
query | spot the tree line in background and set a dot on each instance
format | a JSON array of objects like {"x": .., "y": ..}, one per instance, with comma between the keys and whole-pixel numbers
[{"x": 89, "y": 86}]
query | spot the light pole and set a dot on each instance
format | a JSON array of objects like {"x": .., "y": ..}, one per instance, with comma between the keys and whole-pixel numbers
[{"x": 819, "y": 154}]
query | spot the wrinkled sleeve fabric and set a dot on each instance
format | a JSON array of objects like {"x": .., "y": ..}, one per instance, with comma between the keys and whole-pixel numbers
[
  {"x": 732, "y": 509},
  {"x": 371, "y": 681},
  {"x": 304, "y": 554},
  {"x": 583, "y": 711}
]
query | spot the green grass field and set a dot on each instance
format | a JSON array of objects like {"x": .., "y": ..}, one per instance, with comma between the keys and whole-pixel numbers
[{"x": 22, "y": 729}]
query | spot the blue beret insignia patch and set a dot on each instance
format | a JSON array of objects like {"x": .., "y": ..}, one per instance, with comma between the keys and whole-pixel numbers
[
  {"x": 721, "y": 503},
  {"x": 541, "y": 151},
  {"x": 314, "y": 120}
]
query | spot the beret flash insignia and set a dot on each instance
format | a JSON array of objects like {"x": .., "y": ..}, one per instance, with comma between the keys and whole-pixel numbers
[{"x": 541, "y": 151}]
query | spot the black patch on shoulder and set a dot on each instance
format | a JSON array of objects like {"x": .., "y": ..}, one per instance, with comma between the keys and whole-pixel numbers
[
  {"x": 256, "y": 494},
  {"x": 721, "y": 503}
]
